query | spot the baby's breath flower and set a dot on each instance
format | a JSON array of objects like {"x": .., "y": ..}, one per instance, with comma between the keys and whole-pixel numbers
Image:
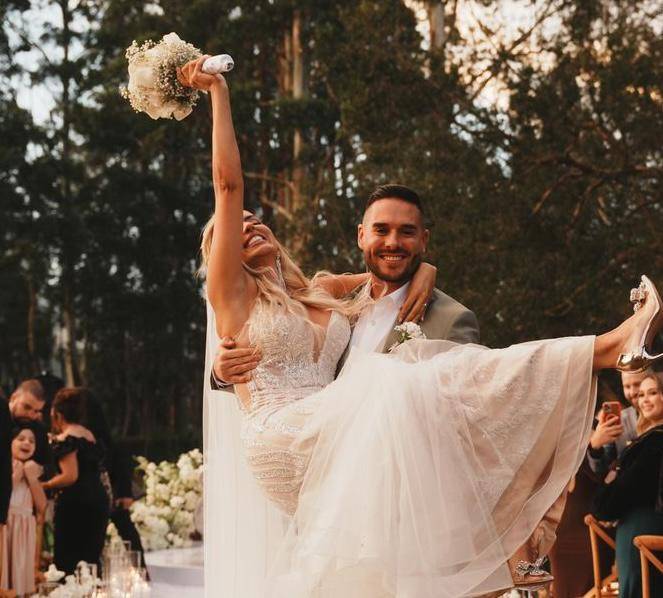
[{"x": 153, "y": 86}]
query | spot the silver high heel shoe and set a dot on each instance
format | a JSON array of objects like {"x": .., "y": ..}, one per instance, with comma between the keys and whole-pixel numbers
[{"x": 637, "y": 357}]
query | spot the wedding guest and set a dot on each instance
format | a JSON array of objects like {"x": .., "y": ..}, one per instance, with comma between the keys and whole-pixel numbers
[
  {"x": 121, "y": 467},
  {"x": 50, "y": 385},
  {"x": 613, "y": 434},
  {"x": 5, "y": 472},
  {"x": 634, "y": 495},
  {"x": 27, "y": 500},
  {"x": 5, "y": 460},
  {"x": 27, "y": 401},
  {"x": 119, "y": 464},
  {"x": 571, "y": 555},
  {"x": 81, "y": 503}
]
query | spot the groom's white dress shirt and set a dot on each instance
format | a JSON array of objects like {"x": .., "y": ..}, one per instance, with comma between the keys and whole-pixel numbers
[{"x": 377, "y": 321}]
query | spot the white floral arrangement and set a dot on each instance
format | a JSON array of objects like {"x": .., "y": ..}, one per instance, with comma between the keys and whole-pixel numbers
[
  {"x": 81, "y": 585},
  {"x": 153, "y": 85},
  {"x": 407, "y": 331},
  {"x": 165, "y": 516}
]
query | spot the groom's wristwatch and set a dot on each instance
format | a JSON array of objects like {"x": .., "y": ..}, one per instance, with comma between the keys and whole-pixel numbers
[{"x": 217, "y": 384}]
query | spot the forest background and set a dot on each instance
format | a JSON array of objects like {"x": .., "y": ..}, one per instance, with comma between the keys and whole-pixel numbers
[{"x": 531, "y": 128}]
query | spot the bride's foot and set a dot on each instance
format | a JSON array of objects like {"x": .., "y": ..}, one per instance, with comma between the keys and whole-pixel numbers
[{"x": 636, "y": 354}]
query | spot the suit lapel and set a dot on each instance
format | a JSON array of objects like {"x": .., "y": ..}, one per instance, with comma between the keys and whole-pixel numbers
[
  {"x": 390, "y": 339},
  {"x": 392, "y": 336}
]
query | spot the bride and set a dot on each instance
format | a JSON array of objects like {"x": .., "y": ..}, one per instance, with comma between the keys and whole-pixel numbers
[{"x": 413, "y": 475}]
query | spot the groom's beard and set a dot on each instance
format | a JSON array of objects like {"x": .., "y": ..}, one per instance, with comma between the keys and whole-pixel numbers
[{"x": 376, "y": 268}]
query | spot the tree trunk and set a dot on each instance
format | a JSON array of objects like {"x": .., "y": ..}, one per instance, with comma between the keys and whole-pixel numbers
[
  {"x": 70, "y": 369},
  {"x": 128, "y": 384},
  {"x": 297, "y": 94},
  {"x": 292, "y": 85},
  {"x": 32, "y": 311},
  {"x": 68, "y": 253},
  {"x": 285, "y": 90},
  {"x": 436, "y": 24}
]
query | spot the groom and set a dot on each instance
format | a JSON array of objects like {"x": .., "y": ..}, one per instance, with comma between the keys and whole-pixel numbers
[{"x": 393, "y": 237}]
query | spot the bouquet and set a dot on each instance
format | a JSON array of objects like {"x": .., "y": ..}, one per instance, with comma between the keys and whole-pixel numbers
[{"x": 153, "y": 86}]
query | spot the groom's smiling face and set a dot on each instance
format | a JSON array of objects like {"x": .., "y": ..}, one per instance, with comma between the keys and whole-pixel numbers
[{"x": 393, "y": 239}]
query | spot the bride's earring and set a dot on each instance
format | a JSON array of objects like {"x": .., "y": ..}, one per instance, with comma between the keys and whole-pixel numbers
[{"x": 279, "y": 272}]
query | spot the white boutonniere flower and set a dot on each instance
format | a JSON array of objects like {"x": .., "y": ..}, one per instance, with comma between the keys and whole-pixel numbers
[{"x": 406, "y": 332}]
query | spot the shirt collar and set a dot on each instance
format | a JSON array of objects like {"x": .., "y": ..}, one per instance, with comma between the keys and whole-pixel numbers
[{"x": 396, "y": 297}]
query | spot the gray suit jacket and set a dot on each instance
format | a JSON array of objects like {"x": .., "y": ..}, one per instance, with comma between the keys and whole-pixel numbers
[{"x": 445, "y": 319}]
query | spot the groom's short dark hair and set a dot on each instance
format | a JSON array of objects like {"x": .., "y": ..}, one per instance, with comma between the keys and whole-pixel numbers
[{"x": 395, "y": 191}]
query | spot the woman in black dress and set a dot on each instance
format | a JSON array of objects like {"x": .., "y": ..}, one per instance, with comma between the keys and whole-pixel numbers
[
  {"x": 635, "y": 495},
  {"x": 81, "y": 504}
]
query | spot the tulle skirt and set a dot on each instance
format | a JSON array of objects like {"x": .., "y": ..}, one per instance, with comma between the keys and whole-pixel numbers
[{"x": 431, "y": 466}]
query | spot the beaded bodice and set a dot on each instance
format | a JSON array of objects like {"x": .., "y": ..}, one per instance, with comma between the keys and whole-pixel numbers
[
  {"x": 296, "y": 364},
  {"x": 293, "y": 366}
]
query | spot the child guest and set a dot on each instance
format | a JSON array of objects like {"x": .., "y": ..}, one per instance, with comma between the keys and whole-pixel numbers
[{"x": 27, "y": 500}]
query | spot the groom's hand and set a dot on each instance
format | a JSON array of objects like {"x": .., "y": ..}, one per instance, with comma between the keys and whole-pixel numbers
[{"x": 235, "y": 366}]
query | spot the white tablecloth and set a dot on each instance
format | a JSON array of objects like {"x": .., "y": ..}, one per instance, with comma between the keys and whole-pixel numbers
[{"x": 176, "y": 573}]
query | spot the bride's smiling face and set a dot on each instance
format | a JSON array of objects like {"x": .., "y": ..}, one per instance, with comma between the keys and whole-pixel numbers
[{"x": 259, "y": 243}]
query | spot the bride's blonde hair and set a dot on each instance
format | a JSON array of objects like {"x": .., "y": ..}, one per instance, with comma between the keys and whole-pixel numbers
[{"x": 299, "y": 292}]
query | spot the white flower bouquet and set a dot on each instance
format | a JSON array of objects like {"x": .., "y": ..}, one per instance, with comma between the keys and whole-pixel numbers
[
  {"x": 153, "y": 86},
  {"x": 164, "y": 517}
]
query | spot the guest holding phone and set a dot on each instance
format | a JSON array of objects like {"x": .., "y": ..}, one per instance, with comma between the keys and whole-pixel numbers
[
  {"x": 616, "y": 426},
  {"x": 633, "y": 494}
]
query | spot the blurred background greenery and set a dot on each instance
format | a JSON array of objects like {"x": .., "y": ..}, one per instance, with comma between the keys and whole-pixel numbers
[{"x": 531, "y": 128}]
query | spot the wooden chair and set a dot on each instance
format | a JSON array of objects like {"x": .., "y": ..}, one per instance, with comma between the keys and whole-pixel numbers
[
  {"x": 601, "y": 584},
  {"x": 647, "y": 544}
]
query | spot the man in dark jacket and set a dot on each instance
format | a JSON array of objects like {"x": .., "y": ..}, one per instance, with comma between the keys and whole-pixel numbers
[
  {"x": 5, "y": 460},
  {"x": 120, "y": 466},
  {"x": 5, "y": 470}
]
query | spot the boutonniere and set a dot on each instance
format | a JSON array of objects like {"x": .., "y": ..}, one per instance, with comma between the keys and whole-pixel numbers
[{"x": 406, "y": 332}]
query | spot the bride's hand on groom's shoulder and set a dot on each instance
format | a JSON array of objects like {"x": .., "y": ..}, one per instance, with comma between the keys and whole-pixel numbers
[
  {"x": 233, "y": 365},
  {"x": 191, "y": 75},
  {"x": 419, "y": 294}
]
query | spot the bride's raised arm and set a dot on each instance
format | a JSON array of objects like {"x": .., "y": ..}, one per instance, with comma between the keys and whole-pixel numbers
[{"x": 228, "y": 285}]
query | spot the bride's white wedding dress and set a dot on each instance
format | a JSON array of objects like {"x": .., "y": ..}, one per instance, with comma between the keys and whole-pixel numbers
[{"x": 413, "y": 475}]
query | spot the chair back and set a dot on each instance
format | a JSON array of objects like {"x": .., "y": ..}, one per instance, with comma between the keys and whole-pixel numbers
[
  {"x": 602, "y": 585},
  {"x": 647, "y": 545}
]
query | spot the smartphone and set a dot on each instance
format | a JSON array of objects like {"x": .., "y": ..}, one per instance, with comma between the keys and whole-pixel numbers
[{"x": 612, "y": 408}]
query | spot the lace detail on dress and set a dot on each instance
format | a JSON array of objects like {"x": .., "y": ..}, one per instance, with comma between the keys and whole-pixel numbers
[{"x": 275, "y": 415}]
